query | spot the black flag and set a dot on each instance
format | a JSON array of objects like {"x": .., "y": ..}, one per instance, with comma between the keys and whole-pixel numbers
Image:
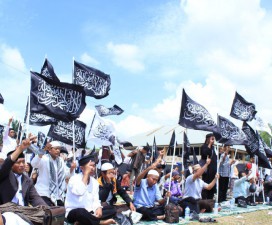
[
  {"x": 195, "y": 161},
  {"x": 64, "y": 132},
  {"x": 241, "y": 109},
  {"x": 104, "y": 111},
  {"x": 62, "y": 100},
  {"x": 96, "y": 83},
  {"x": 171, "y": 144},
  {"x": 262, "y": 158},
  {"x": 253, "y": 142},
  {"x": 230, "y": 134},
  {"x": 154, "y": 150},
  {"x": 267, "y": 150},
  {"x": 1, "y": 129},
  {"x": 38, "y": 119},
  {"x": 1, "y": 99},
  {"x": 195, "y": 116},
  {"x": 48, "y": 71},
  {"x": 186, "y": 152}
]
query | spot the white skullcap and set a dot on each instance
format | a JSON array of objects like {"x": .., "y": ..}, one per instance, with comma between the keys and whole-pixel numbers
[
  {"x": 55, "y": 144},
  {"x": 153, "y": 172},
  {"x": 106, "y": 166}
]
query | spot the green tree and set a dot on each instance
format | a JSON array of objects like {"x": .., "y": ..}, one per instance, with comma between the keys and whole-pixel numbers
[{"x": 266, "y": 137}]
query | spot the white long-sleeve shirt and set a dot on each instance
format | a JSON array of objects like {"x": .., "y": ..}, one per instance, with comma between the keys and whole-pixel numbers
[
  {"x": 80, "y": 195},
  {"x": 43, "y": 180},
  {"x": 9, "y": 144}
]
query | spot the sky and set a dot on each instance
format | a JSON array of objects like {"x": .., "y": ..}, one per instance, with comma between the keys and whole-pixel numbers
[{"x": 151, "y": 49}]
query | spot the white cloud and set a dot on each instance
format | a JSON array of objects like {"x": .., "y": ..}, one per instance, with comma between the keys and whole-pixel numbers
[
  {"x": 127, "y": 56},
  {"x": 85, "y": 58}
]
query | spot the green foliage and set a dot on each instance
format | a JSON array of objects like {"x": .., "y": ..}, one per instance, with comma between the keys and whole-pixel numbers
[{"x": 266, "y": 137}]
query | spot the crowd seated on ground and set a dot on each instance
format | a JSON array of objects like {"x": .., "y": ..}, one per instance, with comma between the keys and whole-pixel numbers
[{"x": 90, "y": 194}]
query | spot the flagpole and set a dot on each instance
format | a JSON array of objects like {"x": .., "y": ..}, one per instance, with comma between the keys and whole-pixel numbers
[
  {"x": 261, "y": 176},
  {"x": 92, "y": 124},
  {"x": 217, "y": 171},
  {"x": 18, "y": 130},
  {"x": 235, "y": 153},
  {"x": 28, "y": 115},
  {"x": 182, "y": 159},
  {"x": 172, "y": 165},
  {"x": 74, "y": 145}
]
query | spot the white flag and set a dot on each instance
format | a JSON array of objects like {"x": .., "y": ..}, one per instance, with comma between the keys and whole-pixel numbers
[
  {"x": 102, "y": 132},
  {"x": 262, "y": 126}
]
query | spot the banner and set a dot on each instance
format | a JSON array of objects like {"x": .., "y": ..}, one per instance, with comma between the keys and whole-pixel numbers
[
  {"x": 241, "y": 109},
  {"x": 262, "y": 158},
  {"x": 186, "y": 153},
  {"x": 155, "y": 152},
  {"x": 63, "y": 132},
  {"x": 171, "y": 144},
  {"x": 1, "y": 99},
  {"x": 230, "y": 134},
  {"x": 48, "y": 71},
  {"x": 104, "y": 111},
  {"x": 96, "y": 83},
  {"x": 262, "y": 126},
  {"x": 195, "y": 116},
  {"x": 253, "y": 142},
  {"x": 102, "y": 132},
  {"x": 267, "y": 150},
  {"x": 62, "y": 101}
]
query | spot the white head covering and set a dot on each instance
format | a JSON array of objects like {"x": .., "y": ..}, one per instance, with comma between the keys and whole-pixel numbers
[
  {"x": 153, "y": 172},
  {"x": 106, "y": 166},
  {"x": 55, "y": 144}
]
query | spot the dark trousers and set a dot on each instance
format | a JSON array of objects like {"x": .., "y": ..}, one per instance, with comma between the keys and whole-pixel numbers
[
  {"x": 191, "y": 203},
  {"x": 50, "y": 203},
  {"x": 223, "y": 188},
  {"x": 208, "y": 194},
  {"x": 150, "y": 214},
  {"x": 83, "y": 217}
]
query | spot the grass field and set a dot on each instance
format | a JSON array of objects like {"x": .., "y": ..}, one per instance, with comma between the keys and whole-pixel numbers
[{"x": 261, "y": 217}]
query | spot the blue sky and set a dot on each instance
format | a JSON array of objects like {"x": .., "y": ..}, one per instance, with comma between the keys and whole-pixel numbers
[{"x": 152, "y": 49}]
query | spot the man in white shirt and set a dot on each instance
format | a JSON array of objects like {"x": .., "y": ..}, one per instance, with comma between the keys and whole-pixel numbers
[
  {"x": 82, "y": 202},
  {"x": 9, "y": 141},
  {"x": 194, "y": 186},
  {"x": 52, "y": 173}
]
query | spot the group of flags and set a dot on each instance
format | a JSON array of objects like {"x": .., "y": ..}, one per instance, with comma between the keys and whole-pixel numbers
[
  {"x": 59, "y": 104},
  {"x": 195, "y": 116}
]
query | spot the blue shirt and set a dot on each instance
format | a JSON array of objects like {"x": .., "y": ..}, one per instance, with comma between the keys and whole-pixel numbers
[
  {"x": 241, "y": 187},
  {"x": 145, "y": 196}
]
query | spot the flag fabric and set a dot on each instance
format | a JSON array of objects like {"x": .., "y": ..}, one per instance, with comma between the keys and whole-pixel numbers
[
  {"x": 63, "y": 132},
  {"x": 38, "y": 119},
  {"x": 262, "y": 158},
  {"x": 101, "y": 132},
  {"x": 253, "y": 142},
  {"x": 104, "y": 111},
  {"x": 1, "y": 129},
  {"x": 171, "y": 144},
  {"x": 48, "y": 71},
  {"x": 96, "y": 83},
  {"x": 230, "y": 134},
  {"x": 195, "y": 116},
  {"x": 154, "y": 150},
  {"x": 267, "y": 150},
  {"x": 241, "y": 109},
  {"x": 62, "y": 101},
  {"x": 262, "y": 126},
  {"x": 186, "y": 152},
  {"x": 1, "y": 99},
  {"x": 41, "y": 139}
]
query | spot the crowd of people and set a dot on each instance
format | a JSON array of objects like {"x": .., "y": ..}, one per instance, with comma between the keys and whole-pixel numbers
[{"x": 89, "y": 187}]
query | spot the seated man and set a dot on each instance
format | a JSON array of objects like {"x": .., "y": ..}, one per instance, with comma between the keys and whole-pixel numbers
[
  {"x": 15, "y": 186},
  {"x": 109, "y": 187},
  {"x": 176, "y": 193},
  {"x": 194, "y": 186},
  {"x": 147, "y": 193},
  {"x": 82, "y": 202},
  {"x": 242, "y": 186}
]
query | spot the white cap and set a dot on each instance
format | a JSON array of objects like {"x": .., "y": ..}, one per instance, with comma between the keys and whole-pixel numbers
[
  {"x": 55, "y": 144},
  {"x": 106, "y": 166},
  {"x": 153, "y": 172}
]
